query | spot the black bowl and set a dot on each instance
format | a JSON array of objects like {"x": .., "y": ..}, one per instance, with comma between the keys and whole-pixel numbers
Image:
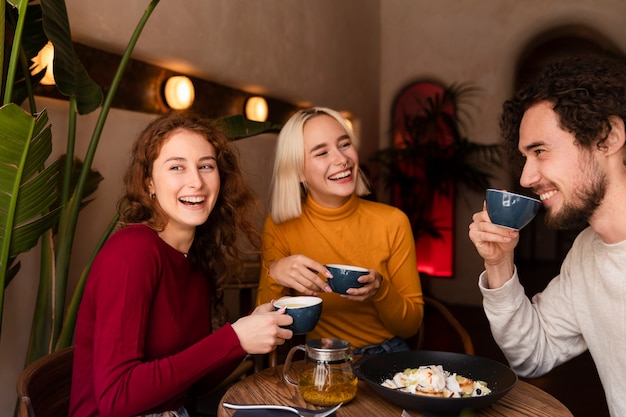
[{"x": 499, "y": 378}]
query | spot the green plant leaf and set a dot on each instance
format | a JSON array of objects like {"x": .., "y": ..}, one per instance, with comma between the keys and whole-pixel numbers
[
  {"x": 33, "y": 39},
  {"x": 14, "y": 268},
  {"x": 70, "y": 75},
  {"x": 71, "y": 209},
  {"x": 15, "y": 53},
  {"x": 238, "y": 127},
  {"x": 434, "y": 156},
  {"x": 91, "y": 185},
  {"x": 40, "y": 342},
  {"x": 16, "y": 129},
  {"x": 25, "y": 236},
  {"x": 23, "y": 217}
]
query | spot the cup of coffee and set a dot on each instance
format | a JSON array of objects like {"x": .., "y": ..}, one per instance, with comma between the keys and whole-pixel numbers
[
  {"x": 305, "y": 311},
  {"x": 510, "y": 209},
  {"x": 345, "y": 277}
]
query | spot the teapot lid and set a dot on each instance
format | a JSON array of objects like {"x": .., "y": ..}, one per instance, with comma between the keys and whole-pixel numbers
[{"x": 328, "y": 349}]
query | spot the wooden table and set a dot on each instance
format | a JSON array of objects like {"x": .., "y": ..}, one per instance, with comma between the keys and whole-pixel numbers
[{"x": 268, "y": 387}]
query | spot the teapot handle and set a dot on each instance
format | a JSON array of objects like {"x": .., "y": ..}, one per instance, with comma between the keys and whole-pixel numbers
[{"x": 288, "y": 364}]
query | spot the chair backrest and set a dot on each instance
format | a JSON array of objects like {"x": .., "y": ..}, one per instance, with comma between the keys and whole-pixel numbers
[
  {"x": 444, "y": 324},
  {"x": 43, "y": 387}
]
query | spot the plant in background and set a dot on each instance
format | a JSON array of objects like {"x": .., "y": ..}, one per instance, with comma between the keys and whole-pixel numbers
[
  {"x": 45, "y": 201},
  {"x": 431, "y": 155}
]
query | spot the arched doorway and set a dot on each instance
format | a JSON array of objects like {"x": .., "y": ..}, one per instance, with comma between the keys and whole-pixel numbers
[{"x": 558, "y": 43}]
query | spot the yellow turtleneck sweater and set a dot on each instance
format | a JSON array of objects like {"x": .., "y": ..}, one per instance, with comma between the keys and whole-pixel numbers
[{"x": 362, "y": 233}]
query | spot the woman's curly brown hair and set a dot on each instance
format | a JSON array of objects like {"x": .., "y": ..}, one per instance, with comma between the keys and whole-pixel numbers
[
  {"x": 216, "y": 248},
  {"x": 585, "y": 92}
]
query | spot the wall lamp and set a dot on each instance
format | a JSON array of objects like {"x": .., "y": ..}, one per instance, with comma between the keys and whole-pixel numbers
[
  {"x": 255, "y": 109},
  {"x": 179, "y": 92},
  {"x": 44, "y": 59},
  {"x": 143, "y": 89}
]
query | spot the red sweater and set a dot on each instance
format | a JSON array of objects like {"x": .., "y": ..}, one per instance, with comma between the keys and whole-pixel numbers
[{"x": 143, "y": 333}]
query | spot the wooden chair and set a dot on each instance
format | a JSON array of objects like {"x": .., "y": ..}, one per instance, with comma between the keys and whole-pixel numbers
[
  {"x": 43, "y": 387},
  {"x": 451, "y": 323}
]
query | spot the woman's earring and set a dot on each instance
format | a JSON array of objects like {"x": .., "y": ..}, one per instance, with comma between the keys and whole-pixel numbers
[{"x": 152, "y": 196}]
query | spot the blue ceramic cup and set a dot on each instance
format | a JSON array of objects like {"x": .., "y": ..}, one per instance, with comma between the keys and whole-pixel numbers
[
  {"x": 305, "y": 311},
  {"x": 511, "y": 210},
  {"x": 345, "y": 277}
]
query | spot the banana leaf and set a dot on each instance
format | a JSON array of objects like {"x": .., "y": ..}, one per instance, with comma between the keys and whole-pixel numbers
[
  {"x": 239, "y": 127},
  {"x": 56, "y": 258},
  {"x": 26, "y": 191},
  {"x": 62, "y": 189},
  {"x": 33, "y": 39},
  {"x": 69, "y": 74}
]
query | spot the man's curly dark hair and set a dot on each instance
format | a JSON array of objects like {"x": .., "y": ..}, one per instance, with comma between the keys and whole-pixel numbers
[{"x": 585, "y": 92}]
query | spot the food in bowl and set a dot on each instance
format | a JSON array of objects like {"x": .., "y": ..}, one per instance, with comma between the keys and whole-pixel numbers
[
  {"x": 375, "y": 369},
  {"x": 433, "y": 380}
]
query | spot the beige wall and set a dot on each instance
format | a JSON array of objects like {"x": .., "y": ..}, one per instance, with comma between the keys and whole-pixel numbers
[
  {"x": 353, "y": 55},
  {"x": 325, "y": 52}
]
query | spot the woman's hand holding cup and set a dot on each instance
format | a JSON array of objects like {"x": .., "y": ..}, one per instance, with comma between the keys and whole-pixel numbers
[
  {"x": 263, "y": 330},
  {"x": 300, "y": 273}
]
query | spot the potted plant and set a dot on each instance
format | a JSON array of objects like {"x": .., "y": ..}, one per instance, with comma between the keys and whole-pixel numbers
[
  {"x": 430, "y": 156},
  {"x": 38, "y": 201}
]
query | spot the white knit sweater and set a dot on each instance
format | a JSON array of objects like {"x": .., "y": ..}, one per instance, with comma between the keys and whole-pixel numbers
[{"x": 584, "y": 307}]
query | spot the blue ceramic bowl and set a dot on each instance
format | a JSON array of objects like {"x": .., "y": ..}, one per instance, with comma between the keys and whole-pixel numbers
[
  {"x": 345, "y": 277},
  {"x": 305, "y": 311},
  {"x": 511, "y": 210}
]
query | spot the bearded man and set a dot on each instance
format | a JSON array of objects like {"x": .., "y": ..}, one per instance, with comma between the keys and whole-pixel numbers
[{"x": 568, "y": 125}]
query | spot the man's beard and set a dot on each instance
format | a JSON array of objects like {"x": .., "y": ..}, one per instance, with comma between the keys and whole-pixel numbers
[{"x": 576, "y": 214}]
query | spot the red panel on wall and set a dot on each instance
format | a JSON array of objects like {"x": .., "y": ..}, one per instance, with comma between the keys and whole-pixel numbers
[
  {"x": 435, "y": 255},
  {"x": 430, "y": 206}
]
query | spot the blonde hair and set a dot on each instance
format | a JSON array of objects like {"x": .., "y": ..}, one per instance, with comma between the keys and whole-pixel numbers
[{"x": 287, "y": 190}]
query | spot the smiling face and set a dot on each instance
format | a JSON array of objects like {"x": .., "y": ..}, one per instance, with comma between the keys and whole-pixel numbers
[
  {"x": 569, "y": 180},
  {"x": 331, "y": 161},
  {"x": 186, "y": 183}
]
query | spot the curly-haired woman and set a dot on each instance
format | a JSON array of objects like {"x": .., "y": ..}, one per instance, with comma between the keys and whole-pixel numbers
[{"x": 144, "y": 333}]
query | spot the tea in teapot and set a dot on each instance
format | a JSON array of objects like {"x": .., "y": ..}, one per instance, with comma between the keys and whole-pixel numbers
[{"x": 327, "y": 377}]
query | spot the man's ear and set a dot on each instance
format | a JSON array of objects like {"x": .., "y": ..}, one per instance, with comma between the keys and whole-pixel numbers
[{"x": 617, "y": 136}]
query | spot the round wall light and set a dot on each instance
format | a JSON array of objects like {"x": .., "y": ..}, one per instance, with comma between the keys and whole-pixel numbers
[
  {"x": 256, "y": 109},
  {"x": 179, "y": 92}
]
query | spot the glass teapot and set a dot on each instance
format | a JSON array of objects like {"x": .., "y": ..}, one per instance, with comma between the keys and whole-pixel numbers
[{"x": 327, "y": 377}]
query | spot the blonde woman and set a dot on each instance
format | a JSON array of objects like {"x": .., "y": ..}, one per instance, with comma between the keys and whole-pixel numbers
[{"x": 317, "y": 217}]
